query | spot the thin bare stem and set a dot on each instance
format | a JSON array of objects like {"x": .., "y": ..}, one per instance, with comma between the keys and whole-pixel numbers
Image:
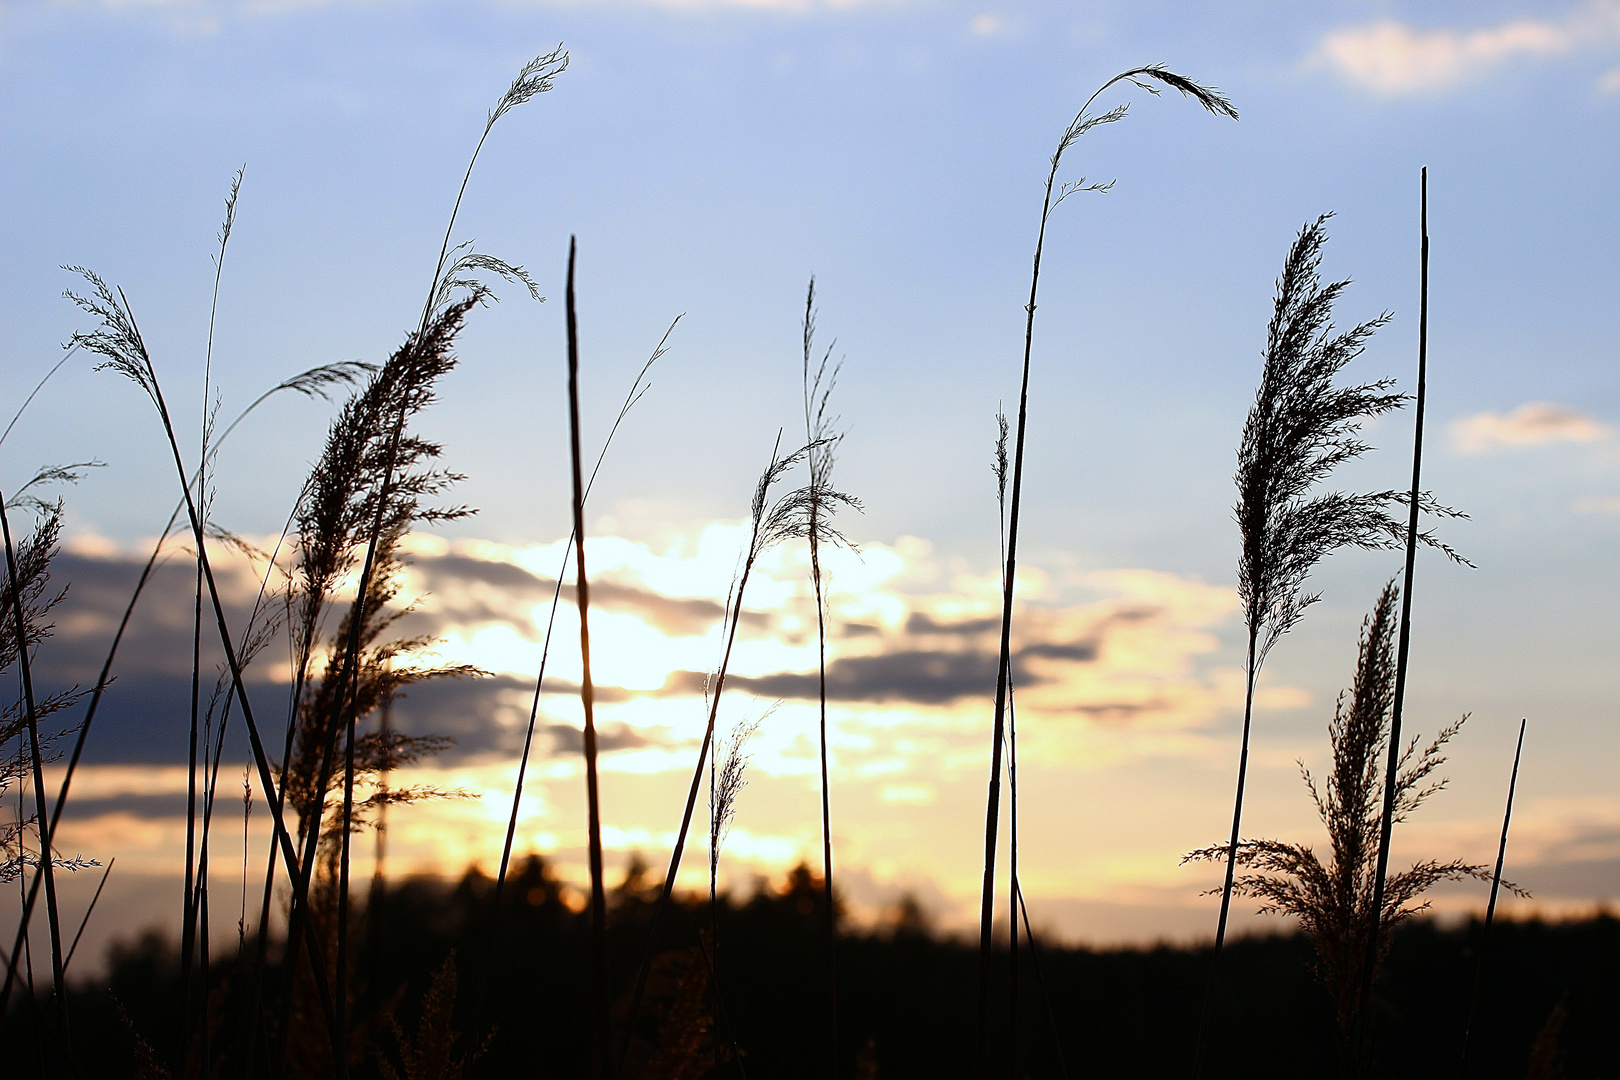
[
  {"x": 89, "y": 911},
  {"x": 1490, "y": 907},
  {"x": 1403, "y": 647},
  {"x": 1040, "y": 981},
  {"x": 635, "y": 395}
]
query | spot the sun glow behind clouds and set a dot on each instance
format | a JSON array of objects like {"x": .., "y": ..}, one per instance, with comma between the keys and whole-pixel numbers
[{"x": 1119, "y": 667}]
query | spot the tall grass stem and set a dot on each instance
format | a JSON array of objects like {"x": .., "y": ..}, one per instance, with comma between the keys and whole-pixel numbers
[
  {"x": 1404, "y": 644},
  {"x": 1215, "y": 103},
  {"x": 600, "y": 1025}
]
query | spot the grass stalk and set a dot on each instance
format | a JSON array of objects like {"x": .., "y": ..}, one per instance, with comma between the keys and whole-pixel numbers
[
  {"x": 600, "y": 1022},
  {"x": 635, "y": 395},
  {"x": 119, "y": 340},
  {"x": 1040, "y": 983},
  {"x": 769, "y": 524},
  {"x": 818, "y": 434},
  {"x": 1012, "y": 885},
  {"x": 89, "y": 911},
  {"x": 43, "y": 820},
  {"x": 312, "y": 383},
  {"x": 188, "y": 927},
  {"x": 1084, "y": 121},
  {"x": 1490, "y": 907},
  {"x": 1404, "y": 643}
]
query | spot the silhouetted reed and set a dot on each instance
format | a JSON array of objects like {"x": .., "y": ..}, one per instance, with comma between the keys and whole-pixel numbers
[
  {"x": 770, "y": 523},
  {"x": 823, "y": 441},
  {"x": 317, "y": 382},
  {"x": 1335, "y": 900},
  {"x": 1414, "y": 504},
  {"x": 1300, "y": 428},
  {"x": 1143, "y": 78},
  {"x": 637, "y": 390},
  {"x": 23, "y": 625}
]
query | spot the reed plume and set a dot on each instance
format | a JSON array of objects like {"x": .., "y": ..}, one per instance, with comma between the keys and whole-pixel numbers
[
  {"x": 372, "y": 470},
  {"x": 819, "y": 434},
  {"x": 1143, "y": 78},
  {"x": 770, "y": 523},
  {"x": 728, "y": 775},
  {"x": 1300, "y": 428},
  {"x": 455, "y": 286},
  {"x": 1334, "y": 899}
]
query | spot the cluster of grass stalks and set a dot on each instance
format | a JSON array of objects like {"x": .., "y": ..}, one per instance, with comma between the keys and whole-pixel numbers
[{"x": 330, "y": 593}]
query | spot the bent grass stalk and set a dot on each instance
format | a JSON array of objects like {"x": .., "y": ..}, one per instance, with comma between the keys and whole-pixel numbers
[
  {"x": 535, "y": 78},
  {"x": 1143, "y": 78},
  {"x": 119, "y": 341},
  {"x": 312, "y": 383}
]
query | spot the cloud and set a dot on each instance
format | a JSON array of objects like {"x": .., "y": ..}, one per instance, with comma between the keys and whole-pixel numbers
[
  {"x": 1534, "y": 424},
  {"x": 1610, "y": 82},
  {"x": 987, "y": 25},
  {"x": 1395, "y": 58},
  {"x": 1598, "y": 504}
]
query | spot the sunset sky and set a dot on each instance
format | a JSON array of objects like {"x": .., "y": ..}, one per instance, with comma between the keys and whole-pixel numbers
[{"x": 710, "y": 156}]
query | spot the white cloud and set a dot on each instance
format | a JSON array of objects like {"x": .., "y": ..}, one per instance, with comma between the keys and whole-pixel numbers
[
  {"x": 987, "y": 24},
  {"x": 1534, "y": 424},
  {"x": 1610, "y": 82},
  {"x": 1598, "y": 504},
  {"x": 1396, "y": 58}
]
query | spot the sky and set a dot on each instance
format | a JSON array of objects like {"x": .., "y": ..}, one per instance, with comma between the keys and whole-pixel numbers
[{"x": 710, "y": 156}]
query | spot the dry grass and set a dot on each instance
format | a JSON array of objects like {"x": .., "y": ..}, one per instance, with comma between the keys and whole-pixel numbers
[{"x": 1333, "y": 898}]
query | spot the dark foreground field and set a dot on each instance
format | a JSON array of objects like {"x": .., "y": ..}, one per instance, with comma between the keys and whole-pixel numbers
[{"x": 1551, "y": 1006}]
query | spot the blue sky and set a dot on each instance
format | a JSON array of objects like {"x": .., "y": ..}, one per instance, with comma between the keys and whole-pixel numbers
[{"x": 711, "y": 156}]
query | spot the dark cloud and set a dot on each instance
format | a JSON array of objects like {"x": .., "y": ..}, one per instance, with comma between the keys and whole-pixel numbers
[
  {"x": 918, "y": 676},
  {"x": 145, "y": 715},
  {"x": 159, "y": 637},
  {"x": 919, "y": 623},
  {"x": 678, "y": 617},
  {"x": 168, "y": 805},
  {"x": 501, "y": 575},
  {"x": 1080, "y": 651}
]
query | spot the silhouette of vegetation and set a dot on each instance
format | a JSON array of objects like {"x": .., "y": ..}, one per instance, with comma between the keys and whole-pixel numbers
[
  {"x": 524, "y": 974},
  {"x": 1333, "y": 900}
]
